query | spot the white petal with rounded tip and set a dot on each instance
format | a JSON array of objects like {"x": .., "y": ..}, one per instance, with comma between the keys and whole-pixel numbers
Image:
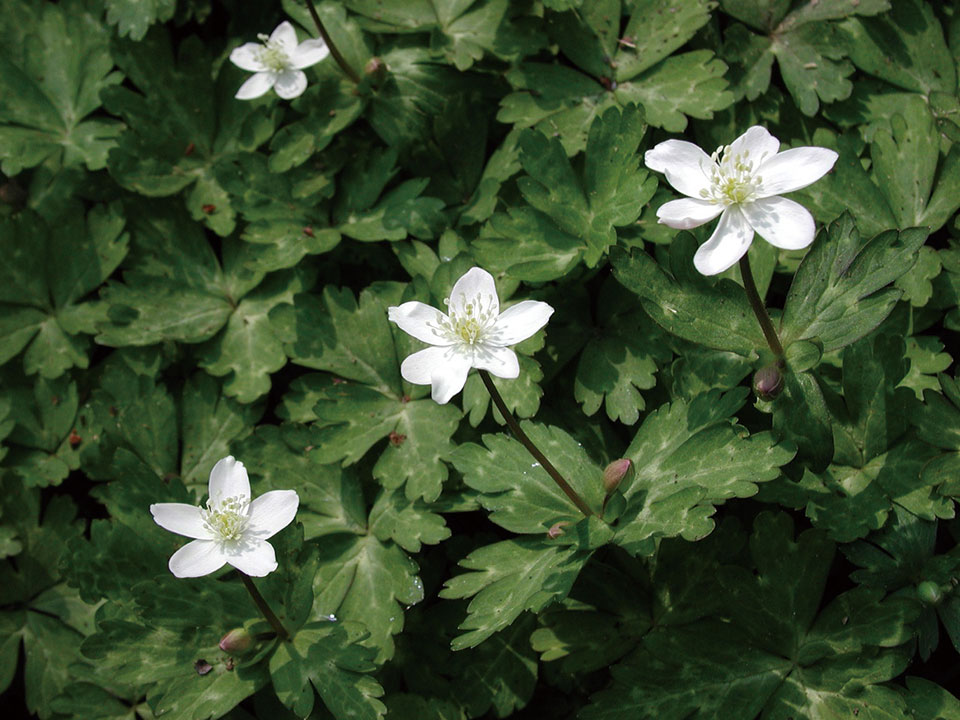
[
  {"x": 781, "y": 222},
  {"x": 290, "y": 84},
  {"x": 228, "y": 479},
  {"x": 415, "y": 318},
  {"x": 254, "y": 557},
  {"x": 759, "y": 145},
  {"x": 688, "y": 213},
  {"x": 256, "y": 86},
  {"x": 476, "y": 281},
  {"x": 247, "y": 57},
  {"x": 444, "y": 369},
  {"x": 520, "y": 321},
  {"x": 794, "y": 169},
  {"x": 686, "y": 166},
  {"x": 729, "y": 242},
  {"x": 308, "y": 53},
  {"x": 285, "y": 36},
  {"x": 271, "y": 512},
  {"x": 197, "y": 558},
  {"x": 500, "y": 361},
  {"x": 180, "y": 518}
]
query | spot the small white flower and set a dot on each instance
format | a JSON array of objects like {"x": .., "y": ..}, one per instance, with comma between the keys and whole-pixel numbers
[
  {"x": 278, "y": 62},
  {"x": 741, "y": 183},
  {"x": 230, "y": 529},
  {"x": 472, "y": 334}
]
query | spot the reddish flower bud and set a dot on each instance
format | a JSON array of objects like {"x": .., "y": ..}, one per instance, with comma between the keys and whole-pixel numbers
[
  {"x": 557, "y": 529},
  {"x": 236, "y": 642},
  {"x": 768, "y": 382},
  {"x": 375, "y": 69},
  {"x": 614, "y": 473}
]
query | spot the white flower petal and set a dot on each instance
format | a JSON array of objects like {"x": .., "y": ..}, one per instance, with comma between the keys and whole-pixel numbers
[
  {"x": 180, "y": 518},
  {"x": 228, "y": 479},
  {"x": 686, "y": 166},
  {"x": 290, "y": 84},
  {"x": 416, "y": 318},
  {"x": 285, "y": 36},
  {"x": 501, "y": 361},
  {"x": 473, "y": 283},
  {"x": 247, "y": 57},
  {"x": 444, "y": 369},
  {"x": 254, "y": 557},
  {"x": 256, "y": 86},
  {"x": 308, "y": 53},
  {"x": 794, "y": 169},
  {"x": 729, "y": 242},
  {"x": 688, "y": 213},
  {"x": 197, "y": 558},
  {"x": 758, "y": 144},
  {"x": 781, "y": 222},
  {"x": 271, "y": 512},
  {"x": 520, "y": 321}
]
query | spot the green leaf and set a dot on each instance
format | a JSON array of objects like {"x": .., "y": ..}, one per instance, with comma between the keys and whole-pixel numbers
[
  {"x": 683, "y": 302},
  {"x": 468, "y": 30},
  {"x": 905, "y": 47},
  {"x": 326, "y": 656},
  {"x": 611, "y": 192},
  {"x": 801, "y": 416},
  {"x": 839, "y": 293},
  {"x": 679, "y": 476},
  {"x": 927, "y": 698},
  {"x": 47, "y": 95},
  {"x": 134, "y": 17},
  {"x": 518, "y": 492},
  {"x": 407, "y": 523},
  {"x": 917, "y": 283},
  {"x": 691, "y": 84},
  {"x": 655, "y": 29},
  {"x": 364, "y": 580},
  {"x": 47, "y": 277},
  {"x": 510, "y": 577},
  {"x": 620, "y": 360}
]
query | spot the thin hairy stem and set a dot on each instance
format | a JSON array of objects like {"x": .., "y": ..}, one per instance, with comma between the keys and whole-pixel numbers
[
  {"x": 341, "y": 61},
  {"x": 763, "y": 317},
  {"x": 261, "y": 603}
]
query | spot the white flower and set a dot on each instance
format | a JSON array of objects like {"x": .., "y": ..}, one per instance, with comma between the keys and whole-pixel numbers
[
  {"x": 278, "y": 62},
  {"x": 230, "y": 529},
  {"x": 740, "y": 182},
  {"x": 473, "y": 334}
]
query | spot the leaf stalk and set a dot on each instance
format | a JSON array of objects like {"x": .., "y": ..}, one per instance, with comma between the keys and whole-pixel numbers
[
  {"x": 264, "y": 608},
  {"x": 763, "y": 317},
  {"x": 341, "y": 61},
  {"x": 531, "y": 448}
]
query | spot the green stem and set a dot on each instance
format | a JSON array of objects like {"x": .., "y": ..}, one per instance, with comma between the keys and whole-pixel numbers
[
  {"x": 531, "y": 448},
  {"x": 261, "y": 603},
  {"x": 341, "y": 61},
  {"x": 763, "y": 317}
]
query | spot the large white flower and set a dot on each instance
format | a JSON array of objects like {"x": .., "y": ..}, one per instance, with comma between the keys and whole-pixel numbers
[
  {"x": 278, "y": 62},
  {"x": 741, "y": 183},
  {"x": 473, "y": 333},
  {"x": 230, "y": 529}
]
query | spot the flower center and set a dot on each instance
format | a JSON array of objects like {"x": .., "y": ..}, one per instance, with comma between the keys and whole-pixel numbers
[
  {"x": 470, "y": 321},
  {"x": 227, "y": 519},
  {"x": 273, "y": 55},
  {"x": 733, "y": 178}
]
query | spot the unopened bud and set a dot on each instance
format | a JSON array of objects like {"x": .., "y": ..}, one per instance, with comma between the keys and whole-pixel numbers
[
  {"x": 376, "y": 70},
  {"x": 768, "y": 382},
  {"x": 929, "y": 592},
  {"x": 614, "y": 474},
  {"x": 557, "y": 529},
  {"x": 236, "y": 642}
]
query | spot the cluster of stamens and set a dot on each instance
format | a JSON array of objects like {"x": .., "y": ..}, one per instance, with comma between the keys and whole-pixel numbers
[
  {"x": 272, "y": 54},
  {"x": 470, "y": 322},
  {"x": 732, "y": 178},
  {"x": 227, "y": 519}
]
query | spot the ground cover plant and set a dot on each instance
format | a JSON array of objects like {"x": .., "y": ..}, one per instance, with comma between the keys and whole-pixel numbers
[{"x": 455, "y": 359}]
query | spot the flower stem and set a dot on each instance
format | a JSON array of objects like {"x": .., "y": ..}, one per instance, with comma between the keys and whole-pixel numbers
[
  {"x": 261, "y": 603},
  {"x": 341, "y": 61},
  {"x": 531, "y": 448},
  {"x": 763, "y": 317}
]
